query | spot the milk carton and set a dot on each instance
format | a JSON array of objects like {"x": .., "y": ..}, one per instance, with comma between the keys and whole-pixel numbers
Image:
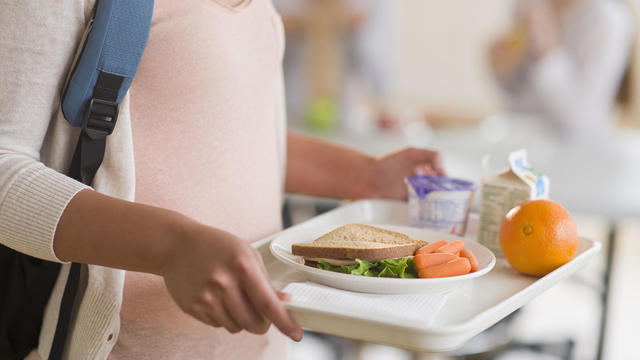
[{"x": 504, "y": 191}]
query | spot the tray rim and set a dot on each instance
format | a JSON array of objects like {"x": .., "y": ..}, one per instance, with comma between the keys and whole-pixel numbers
[
  {"x": 466, "y": 329},
  {"x": 594, "y": 247}
]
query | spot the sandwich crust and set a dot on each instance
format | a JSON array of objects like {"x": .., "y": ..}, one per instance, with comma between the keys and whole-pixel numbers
[
  {"x": 397, "y": 251},
  {"x": 358, "y": 241}
]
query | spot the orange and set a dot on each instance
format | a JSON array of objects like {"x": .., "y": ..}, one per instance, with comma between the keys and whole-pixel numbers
[{"x": 538, "y": 236}]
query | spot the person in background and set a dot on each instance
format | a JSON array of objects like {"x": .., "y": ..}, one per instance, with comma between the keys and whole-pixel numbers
[
  {"x": 337, "y": 63},
  {"x": 564, "y": 60}
]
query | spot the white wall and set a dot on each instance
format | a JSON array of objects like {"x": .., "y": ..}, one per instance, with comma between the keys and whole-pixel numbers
[{"x": 441, "y": 51}]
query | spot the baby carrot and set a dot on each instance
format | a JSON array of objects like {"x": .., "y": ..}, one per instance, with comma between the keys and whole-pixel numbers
[
  {"x": 425, "y": 260},
  {"x": 472, "y": 259},
  {"x": 452, "y": 248},
  {"x": 459, "y": 266},
  {"x": 428, "y": 249}
]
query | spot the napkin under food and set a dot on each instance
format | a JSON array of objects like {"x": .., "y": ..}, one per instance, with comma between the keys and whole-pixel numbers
[{"x": 421, "y": 308}]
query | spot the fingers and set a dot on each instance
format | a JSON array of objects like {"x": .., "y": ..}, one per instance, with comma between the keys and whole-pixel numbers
[
  {"x": 222, "y": 317},
  {"x": 263, "y": 296},
  {"x": 230, "y": 306},
  {"x": 428, "y": 160},
  {"x": 424, "y": 169},
  {"x": 283, "y": 295},
  {"x": 260, "y": 263},
  {"x": 243, "y": 312},
  {"x": 209, "y": 320},
  {"x": 437, "y": 164},
  {"x": 249, "y": 300},
  {"x": 213, "y": 312}
]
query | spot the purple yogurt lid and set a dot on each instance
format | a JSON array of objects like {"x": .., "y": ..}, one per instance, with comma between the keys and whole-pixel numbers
[{"x": 424, "y": 184}]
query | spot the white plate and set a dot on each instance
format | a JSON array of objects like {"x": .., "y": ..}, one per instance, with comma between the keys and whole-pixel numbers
[{"x": 281, "y": 248}]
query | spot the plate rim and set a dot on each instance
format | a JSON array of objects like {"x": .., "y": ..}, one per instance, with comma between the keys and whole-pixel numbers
[{"x": 275, "y": 248}]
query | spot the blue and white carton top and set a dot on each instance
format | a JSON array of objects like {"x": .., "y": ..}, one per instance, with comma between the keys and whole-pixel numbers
[{"x": 521, "y": 173}]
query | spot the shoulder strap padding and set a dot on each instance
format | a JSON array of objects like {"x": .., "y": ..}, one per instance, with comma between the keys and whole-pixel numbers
[{"x": 114, "y": 45}]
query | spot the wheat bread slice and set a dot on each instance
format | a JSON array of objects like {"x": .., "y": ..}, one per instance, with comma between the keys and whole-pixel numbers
[{"x": 358, "y": 241}]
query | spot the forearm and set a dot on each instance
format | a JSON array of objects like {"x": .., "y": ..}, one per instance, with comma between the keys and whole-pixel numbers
[
  {"x": 98, "y": 229},
  {"x": 319, "y": 168},
  {"x": 210, "y": 274}
]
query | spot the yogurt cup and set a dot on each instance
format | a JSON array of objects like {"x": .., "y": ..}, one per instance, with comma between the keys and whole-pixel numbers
[{"x": 439, "y": 203}]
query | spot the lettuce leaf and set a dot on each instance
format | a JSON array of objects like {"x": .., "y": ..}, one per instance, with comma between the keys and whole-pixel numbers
[
  {"x": 363, "y": 267},
  {"x": 398, "y": 268},
  {"x": 341, "y": 268}
]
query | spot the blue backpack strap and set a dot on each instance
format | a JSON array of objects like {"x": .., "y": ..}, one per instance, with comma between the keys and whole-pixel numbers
[
  {"x": 117, "y": 36},
  {"x": 102, "y": 75},
  {"x": 113, "y": 48}
]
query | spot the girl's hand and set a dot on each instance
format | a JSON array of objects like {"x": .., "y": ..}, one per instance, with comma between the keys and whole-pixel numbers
[
  {"x": 221, "y": 280},
  {"x": 390, "y": 170}
]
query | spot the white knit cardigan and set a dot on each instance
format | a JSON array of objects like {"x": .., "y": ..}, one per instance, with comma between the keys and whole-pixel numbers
[{"x": 38, "y": 40}]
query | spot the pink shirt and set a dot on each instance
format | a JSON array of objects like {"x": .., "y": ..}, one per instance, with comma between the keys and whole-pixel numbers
[{"x": 206, "y": 109}]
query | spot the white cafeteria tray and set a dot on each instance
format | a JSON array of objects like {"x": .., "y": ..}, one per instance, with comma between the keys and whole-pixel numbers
[{"x": 467, "y": 312}]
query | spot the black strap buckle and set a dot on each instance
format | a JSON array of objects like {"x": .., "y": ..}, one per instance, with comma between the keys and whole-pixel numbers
[{"x": 100, "y": 118}]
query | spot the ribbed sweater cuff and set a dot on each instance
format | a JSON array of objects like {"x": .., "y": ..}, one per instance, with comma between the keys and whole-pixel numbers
[{"x": 30, "y": 212}]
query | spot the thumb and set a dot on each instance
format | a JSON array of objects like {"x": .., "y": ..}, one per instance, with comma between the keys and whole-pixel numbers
[
  {"x": 424, "y": 169},
  {"x": 433, "y": 160},
  {"x": 283, "y": 296}
]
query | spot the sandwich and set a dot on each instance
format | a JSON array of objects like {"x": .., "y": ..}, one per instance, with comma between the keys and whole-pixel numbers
[{"x": 364, "y": 250}]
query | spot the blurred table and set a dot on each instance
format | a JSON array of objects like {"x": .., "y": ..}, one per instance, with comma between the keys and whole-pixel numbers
[
  {"x": 585, "y": 177},
  {"x": 623, "y": 315}
]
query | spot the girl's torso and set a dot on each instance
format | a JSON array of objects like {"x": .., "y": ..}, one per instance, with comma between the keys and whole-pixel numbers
[{"x": 207, "y": 123}]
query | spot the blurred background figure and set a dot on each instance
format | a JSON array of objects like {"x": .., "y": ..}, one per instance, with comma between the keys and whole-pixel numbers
[
  {"x": 337, "y": 63},
  {"x": 564, "y": 60}
]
